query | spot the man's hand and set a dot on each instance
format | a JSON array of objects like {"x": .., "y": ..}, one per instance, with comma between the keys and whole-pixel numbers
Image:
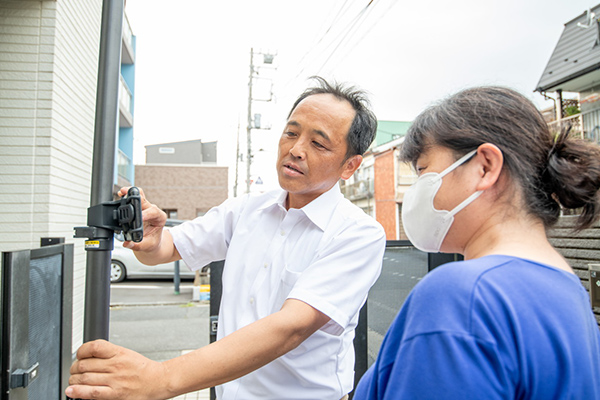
[
  {"x": 107, "y": 371},
  {"x": 154, "y": 221}
]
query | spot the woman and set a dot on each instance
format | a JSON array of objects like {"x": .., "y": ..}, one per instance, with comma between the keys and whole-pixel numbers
[{"x": 512, "y": 321}]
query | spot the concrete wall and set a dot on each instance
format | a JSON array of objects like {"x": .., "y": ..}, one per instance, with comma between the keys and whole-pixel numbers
[
  {"x": 48, "y": 75},
  {"x": 190, "y": 189}
]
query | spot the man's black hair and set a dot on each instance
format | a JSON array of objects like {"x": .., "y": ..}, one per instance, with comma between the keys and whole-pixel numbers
[{"x": 364, "y": 125}]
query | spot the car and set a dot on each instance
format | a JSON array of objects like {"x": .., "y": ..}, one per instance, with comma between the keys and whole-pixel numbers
[{"x": 124, "y": 264}]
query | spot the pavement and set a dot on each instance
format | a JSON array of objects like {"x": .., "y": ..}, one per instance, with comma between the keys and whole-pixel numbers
[{"x": 150, "y": 317}]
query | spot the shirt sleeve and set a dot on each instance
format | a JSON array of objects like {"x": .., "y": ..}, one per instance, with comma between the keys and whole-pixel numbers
[
  {"x": 338, "y": 281},
  {"x": 206, "y": 239}
]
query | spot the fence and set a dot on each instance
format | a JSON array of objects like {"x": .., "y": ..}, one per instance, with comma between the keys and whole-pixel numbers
[{"x": 579, "y": 248}]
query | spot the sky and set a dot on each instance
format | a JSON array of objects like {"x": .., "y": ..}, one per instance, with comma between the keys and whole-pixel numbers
[{"x": 193, "y": 61}]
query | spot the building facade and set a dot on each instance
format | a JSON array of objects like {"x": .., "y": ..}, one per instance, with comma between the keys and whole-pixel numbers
[
  {"x": 379, "y": 184},
  {"x": 574, "y": 71},
  {"x": 183, "y": 178},
  {"x": 49, "y": 74},
  {"x": 183, "y": 191}
]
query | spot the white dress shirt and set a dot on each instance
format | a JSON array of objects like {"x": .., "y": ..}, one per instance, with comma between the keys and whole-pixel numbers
[{"x": 327, "y": 254}]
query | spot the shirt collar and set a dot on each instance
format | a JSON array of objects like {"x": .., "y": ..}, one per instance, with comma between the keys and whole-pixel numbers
[{"x": 319, "y": 211}]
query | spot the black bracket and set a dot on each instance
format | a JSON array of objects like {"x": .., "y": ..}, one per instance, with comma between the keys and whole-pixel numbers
[
  {"x": 23, "y": 377},
  {"x": 106, "y": 218}
]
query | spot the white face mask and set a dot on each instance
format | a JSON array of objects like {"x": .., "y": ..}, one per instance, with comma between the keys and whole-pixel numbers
[{"x": 425, "y": 226}]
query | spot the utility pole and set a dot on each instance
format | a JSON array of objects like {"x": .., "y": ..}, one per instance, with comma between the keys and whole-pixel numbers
[
  {"x": 237, "y": 160},
  {"x": 251, "y": 124}
]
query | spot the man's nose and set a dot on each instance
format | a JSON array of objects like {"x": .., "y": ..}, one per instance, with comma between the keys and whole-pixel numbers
[{"x": 298, "y": 150}]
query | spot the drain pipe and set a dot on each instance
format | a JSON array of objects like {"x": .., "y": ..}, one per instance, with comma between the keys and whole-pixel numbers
[{"x": 97, "y": 284}]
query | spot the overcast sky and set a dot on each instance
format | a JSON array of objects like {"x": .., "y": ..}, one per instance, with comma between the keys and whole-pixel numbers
[{"x": 193, "y": 59}]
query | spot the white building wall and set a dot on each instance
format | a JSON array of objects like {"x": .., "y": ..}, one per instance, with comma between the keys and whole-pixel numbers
[{"x": 48, "y": 77}]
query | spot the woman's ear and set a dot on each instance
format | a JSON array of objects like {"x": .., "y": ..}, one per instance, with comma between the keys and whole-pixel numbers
[{"x": 490, "y": 161}]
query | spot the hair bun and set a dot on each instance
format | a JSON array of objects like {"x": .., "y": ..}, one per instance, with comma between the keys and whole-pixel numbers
[{"x": 573, "y": 175}]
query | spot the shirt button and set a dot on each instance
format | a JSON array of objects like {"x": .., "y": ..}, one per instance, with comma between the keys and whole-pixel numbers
[
  {"x": 251, "y": 300},
  {"x": 266, "y": 265},
  {"x": 282, "y": 233}
]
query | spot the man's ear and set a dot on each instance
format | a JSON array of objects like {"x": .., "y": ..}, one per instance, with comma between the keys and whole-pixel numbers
[
  {"x": 351, "y": 165},
  {"x": 490, "y": 161}
]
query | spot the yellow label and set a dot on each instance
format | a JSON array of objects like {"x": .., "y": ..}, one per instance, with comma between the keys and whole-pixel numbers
[
  {"x": 205, "y": 288},
  {"x": 92, "y": 244}
]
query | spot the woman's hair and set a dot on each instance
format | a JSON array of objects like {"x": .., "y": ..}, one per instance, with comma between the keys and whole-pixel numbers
[
  {"x": 364, "y": 125},
  {"x": 553, "y": 170}
]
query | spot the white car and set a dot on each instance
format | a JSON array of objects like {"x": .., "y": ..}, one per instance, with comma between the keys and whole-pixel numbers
[{"x": 123, "y": 264}]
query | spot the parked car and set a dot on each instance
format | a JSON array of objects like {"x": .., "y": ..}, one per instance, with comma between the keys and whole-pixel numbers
[{"x": 124, "y": 264}]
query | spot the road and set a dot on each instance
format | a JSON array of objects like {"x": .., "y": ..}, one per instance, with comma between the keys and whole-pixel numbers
[{"x": 149, "y": 317}]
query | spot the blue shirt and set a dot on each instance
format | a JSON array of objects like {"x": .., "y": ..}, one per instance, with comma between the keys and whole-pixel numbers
[{"x": 497, "y": 327}]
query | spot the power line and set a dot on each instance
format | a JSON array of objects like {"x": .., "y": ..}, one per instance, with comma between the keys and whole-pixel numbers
[
  {"x": 391, "y": 5},
  {"x": 349, "y": 26},
  {"x": 360, "y": 18}
]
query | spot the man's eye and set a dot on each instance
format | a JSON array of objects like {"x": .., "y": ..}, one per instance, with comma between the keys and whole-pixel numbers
[
  {"x": 319, "y": 145},
  {"x": 289, "y": 134}
]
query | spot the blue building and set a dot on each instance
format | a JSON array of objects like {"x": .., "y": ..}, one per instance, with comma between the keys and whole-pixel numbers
[{"x": 124, "y": 168}]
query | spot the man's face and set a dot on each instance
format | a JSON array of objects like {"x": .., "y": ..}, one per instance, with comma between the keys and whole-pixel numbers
[{"x": 312, "y": 148}]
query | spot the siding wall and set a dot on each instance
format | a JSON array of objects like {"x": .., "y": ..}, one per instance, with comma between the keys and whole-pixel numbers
[
  {"x": 48, "y": 77},
  {"x": 580, "y": 249}
]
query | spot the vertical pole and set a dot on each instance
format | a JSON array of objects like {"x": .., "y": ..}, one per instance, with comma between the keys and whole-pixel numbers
[
  {"x": 97, "y": 285},
  {"x": 249, "y": 127},
  {"x": 559, "y": 110},
  {"x": 176, "y": 277},
  {"x": 237, "y": 160}
]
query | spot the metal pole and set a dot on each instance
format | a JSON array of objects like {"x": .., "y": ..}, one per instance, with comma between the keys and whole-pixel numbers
[
  {"x": 176, "y": 277},
  {"x": 237, "y": 160},
  {"x": 249, "y": 127},
  {"x": 97, "y": 285}
]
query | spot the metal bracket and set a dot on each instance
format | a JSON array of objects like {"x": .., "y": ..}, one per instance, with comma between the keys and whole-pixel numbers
[
  {"x": 106, "y": 218},
  {"x": 23, "y": 377}
]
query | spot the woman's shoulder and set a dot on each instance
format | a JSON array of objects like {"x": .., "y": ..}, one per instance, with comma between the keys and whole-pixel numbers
[{"x": 443, "y": 301}]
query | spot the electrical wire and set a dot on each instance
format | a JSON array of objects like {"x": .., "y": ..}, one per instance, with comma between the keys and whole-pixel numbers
[{"x": 365, "y": 34}]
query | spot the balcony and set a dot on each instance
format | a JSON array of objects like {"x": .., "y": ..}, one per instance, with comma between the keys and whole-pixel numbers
[
  {"x": 361, "y": 189},
  {"x": 124, "y": 167},
  {"x": 574, "y": 121},
  {"x": 127, "y": 55},
  {"x": 125, "y": 117},
  {"x": 585, "y": 125}
]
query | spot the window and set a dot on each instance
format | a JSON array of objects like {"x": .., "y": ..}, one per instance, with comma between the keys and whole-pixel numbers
[
  {"x": 166, "y": 150},
  {"x": 171, "y": 214}
]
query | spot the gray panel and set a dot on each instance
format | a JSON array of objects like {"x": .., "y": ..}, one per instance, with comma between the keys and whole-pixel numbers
[
  {"x": 16, "y": 315},
  {"x": 36, "y": 321},
  {"x": 402, "y": 268},
  {"x": 45, "y": 278}
]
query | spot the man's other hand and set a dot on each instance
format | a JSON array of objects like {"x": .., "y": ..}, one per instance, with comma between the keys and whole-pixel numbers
[{"x": 107, "y": 371}]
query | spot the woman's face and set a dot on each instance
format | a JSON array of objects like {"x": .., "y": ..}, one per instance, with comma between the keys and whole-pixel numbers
[{"x": 456, "y": 187}]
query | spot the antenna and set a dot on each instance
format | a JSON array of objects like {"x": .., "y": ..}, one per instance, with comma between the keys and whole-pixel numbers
[{"x": 590, "y": 19}]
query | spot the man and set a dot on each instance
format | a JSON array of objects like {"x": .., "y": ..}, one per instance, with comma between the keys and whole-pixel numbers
[{"x": 298, "y": 266}]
